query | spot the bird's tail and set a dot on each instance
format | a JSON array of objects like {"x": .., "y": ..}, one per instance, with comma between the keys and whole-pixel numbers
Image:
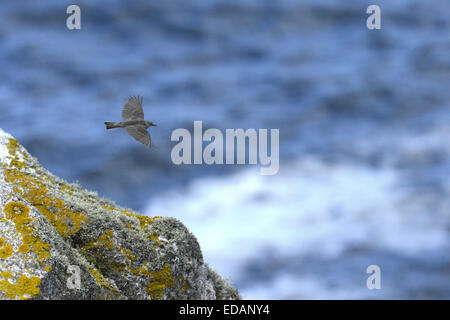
[{"x": 111, "y": 125}]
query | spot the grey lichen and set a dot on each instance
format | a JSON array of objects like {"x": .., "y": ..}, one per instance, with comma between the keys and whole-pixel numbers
[{"x": 48, "y": 226}]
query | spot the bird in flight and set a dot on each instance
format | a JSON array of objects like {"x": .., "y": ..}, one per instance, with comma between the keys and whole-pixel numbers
[{"x": 133, "y": 121}]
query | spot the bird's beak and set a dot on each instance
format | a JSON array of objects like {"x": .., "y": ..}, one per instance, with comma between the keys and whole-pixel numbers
[{"x": 154, "y": 125}]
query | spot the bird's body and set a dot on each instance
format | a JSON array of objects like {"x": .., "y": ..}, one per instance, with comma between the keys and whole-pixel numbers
[
  {"x": 133, "y": 121},
  {"x": 124, "y": 124}
]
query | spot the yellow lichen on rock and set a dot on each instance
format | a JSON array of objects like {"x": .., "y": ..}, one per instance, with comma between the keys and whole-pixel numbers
[
  {"x": 159, "y": 281},
  {"x": 143, "y": 220},
  {"x": 18, "y": 213},
  {"x": 36, "y": 192},
  {"x": 101, "y": 280},
  {"x": 120, "y": 253},
  {"x": 6, "y": 251},
  {"x": 13, "y": 146},
  {"x": 24, "y": 248},
  {"x": 16, "y": 210},
  {"x": 105, "y": 240},
  {"x": 25, "y": 287}
]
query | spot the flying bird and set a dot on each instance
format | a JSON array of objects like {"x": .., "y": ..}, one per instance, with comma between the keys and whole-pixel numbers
[{"x": 133, "y": 121}]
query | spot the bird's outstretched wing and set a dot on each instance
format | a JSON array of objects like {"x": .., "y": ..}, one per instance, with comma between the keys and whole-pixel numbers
[
  {"x": 132, "y": 110},
  {"x": 140, "y": 133}
]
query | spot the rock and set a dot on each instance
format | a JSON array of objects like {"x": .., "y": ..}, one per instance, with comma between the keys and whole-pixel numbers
[{"x": 59, "y": 241}]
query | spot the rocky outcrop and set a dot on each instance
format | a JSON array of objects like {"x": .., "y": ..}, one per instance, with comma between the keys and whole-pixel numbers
[{"x": 59, "y": 241}]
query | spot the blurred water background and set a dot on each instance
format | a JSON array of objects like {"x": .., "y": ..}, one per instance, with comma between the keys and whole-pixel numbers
[{"x": 364, "y": 119}]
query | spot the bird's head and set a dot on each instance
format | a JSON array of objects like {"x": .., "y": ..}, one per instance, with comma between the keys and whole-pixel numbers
[{"x": 150, "y": 124}]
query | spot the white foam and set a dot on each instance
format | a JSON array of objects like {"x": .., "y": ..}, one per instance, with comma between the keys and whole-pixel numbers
[{"x": 310, "y": 207}]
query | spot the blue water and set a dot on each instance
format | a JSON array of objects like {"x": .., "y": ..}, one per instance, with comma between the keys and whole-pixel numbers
[{"x": 363, "y": 118}]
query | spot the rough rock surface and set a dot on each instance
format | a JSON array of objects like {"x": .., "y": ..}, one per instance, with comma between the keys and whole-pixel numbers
[{"x": 59, "y": 241}]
